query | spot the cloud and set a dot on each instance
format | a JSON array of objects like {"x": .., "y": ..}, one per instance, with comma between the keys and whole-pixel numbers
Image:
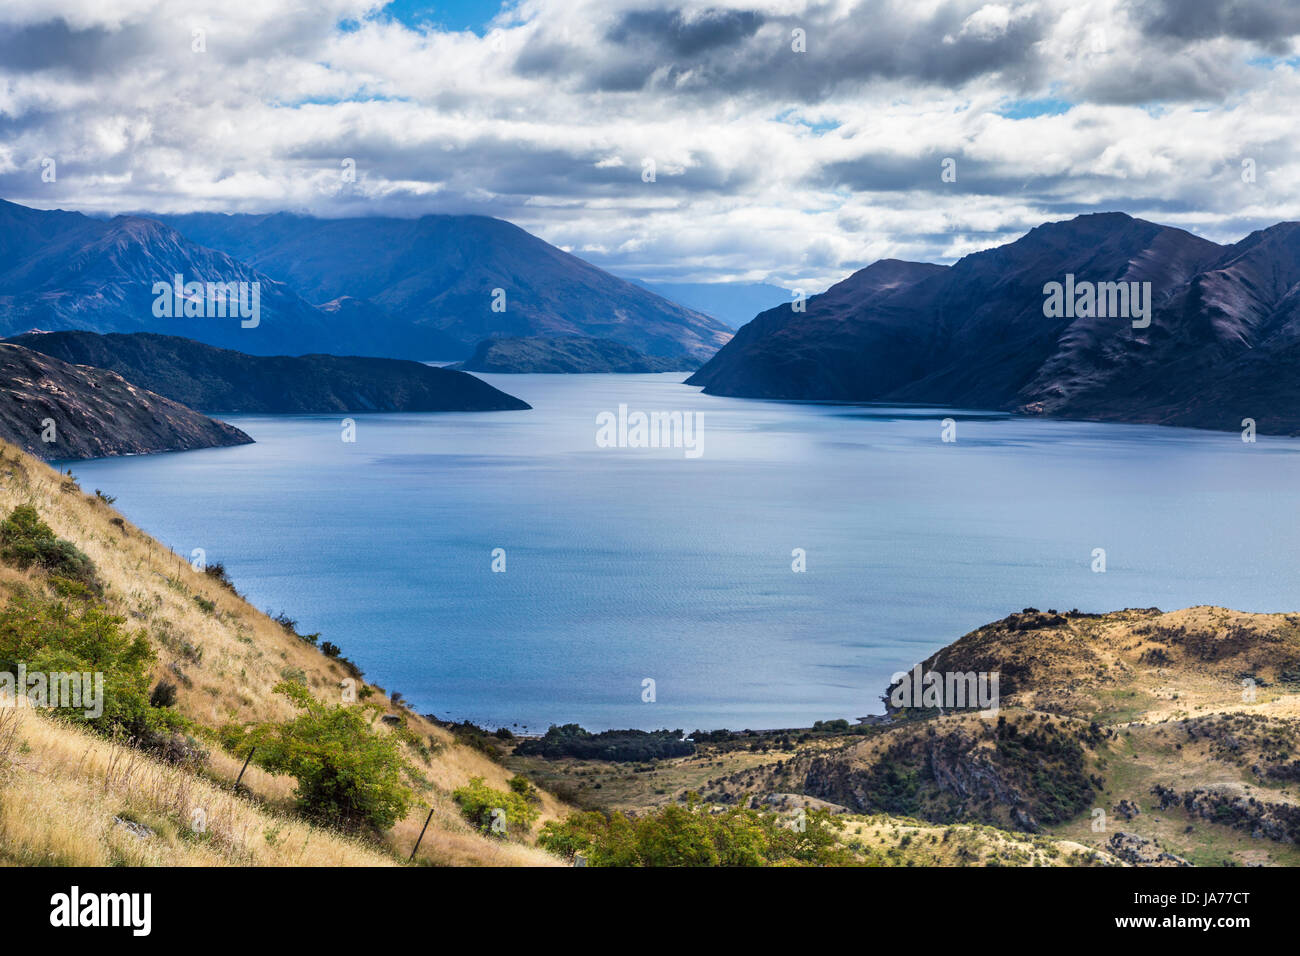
[
  {"x": 771, "y": 164},
  {"x": 1266, "y": 22}
]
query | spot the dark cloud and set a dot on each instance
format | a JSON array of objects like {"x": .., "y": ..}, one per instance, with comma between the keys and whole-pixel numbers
[
  {"x": 1267, "y": 22},
  {"x": 56, "y": 46},
  {"x": 672, "y": 32},
  {"x": 745, "y": 52}
]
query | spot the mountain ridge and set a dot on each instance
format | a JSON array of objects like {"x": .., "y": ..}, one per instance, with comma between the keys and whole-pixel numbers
[
  {"x": 1225, "y": 319},
  {"x": 442, "y": 271},
  {"x": 429, "y": 288},
  {"x": 223, "y": 380}
]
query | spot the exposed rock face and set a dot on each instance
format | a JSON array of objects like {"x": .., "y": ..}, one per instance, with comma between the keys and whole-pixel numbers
[
  {"x": 93, "y": 413},
  {"x": 221, "y": 380},
  {"x": 961, "y": 768},
  {"x": 566, "y": 354},
  {"x": 1223, "y": 342}
]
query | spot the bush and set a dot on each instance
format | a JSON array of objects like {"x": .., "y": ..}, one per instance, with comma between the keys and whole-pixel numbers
[
  {"x": 51, "y": 637},
  {"x": 689, "y": 836},
  {"x": 348, "y": 774},
  {"x": 164, "y": 695},
  {"x": 524, "y": 787},
  {"x": 26, "y": 540},
  {"x": 479, "y": 803},
  {"x": 471, "y": 735},
  {"x": 217, "y": 571}
]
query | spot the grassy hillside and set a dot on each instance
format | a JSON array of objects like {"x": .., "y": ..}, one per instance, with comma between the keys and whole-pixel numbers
[
  {"x": 62, "y": 786},
  {"x": 1155, "y": 737}
]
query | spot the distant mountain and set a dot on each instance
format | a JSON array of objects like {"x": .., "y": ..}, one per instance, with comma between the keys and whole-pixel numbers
[
  {"x": 566, "y": 354},
  {"x": 440, "y": 272},
  {"x": 93, "y": 413},
  {"x": 1222, "y": 345},
  {"x": 733, "y": 303},
  {"x": 220, "y": 380},
  {"x": 62, "y": 270}
]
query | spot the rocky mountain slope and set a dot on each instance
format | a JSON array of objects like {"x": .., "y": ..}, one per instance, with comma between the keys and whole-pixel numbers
[
  {"x": 93, "y": 413},
  {"x": 1223, "y": 333},
  {"x": 566, "y": 354},
  {"x": 62, "y": 270},
  {"x": 440, "y": 273},
  {"x": 222, "y": 380}
]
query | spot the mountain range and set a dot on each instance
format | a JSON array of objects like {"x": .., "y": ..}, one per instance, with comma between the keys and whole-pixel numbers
[
  {"x": 408, "y": 288},
  {"x": 1221, "y": 346}
]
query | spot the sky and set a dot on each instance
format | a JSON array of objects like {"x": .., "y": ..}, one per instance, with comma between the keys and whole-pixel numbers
[{"x": 792, "y": 142}]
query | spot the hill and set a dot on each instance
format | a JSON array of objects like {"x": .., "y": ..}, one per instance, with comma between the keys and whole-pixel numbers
[
  {"x": 61, "y": 270},
  {"x": 71, "y": 795},
  {"x": 1159, "y": 738},
  {"x": 222, "y": 380},
  {"x": 92, "y": 413}
]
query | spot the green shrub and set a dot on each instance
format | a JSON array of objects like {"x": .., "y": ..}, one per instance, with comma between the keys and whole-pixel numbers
[
  {"x": 479, "y": 803},
  {"x": 690, "y": 836},
  {"x": 524, "y": 787},
  {"x": 348, "y": 774},
  {"x": 26, "y": 540},
  {"x": 51, "y": 637}
]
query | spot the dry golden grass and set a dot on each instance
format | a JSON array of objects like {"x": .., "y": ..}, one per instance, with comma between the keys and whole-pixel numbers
[
  {"x": 905, "y": 842},
  {"x": 226, "y": 661},
  {"x": 64, "y": 791}
]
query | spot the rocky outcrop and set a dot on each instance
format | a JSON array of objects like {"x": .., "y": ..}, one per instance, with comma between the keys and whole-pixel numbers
[{"x": 1140, "y": 851}]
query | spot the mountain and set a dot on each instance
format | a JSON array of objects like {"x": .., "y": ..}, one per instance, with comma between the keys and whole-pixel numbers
[
  {"x": 1224, "y": 331},
  {"x": 440, "y": 272},
  {"x": 62, "y": 270},
  {"x": 733, "y": 303},
  {"x": 93, "y": 413},
  {"x": 221, "y": 380},
  {"x": 570, "y": 353}
]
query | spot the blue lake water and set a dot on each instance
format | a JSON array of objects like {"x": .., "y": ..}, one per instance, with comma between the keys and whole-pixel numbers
[{"x": 629, "y": 563}]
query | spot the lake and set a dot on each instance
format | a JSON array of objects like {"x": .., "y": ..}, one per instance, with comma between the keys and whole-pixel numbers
[{"x": 624, "y": 564}]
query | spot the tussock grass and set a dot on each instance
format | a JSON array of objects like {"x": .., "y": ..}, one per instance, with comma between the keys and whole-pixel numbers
[{"x": 66, "y": 795}]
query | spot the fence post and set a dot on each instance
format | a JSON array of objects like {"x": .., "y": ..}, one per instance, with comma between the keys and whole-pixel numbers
[
  {"x": 417, "y": 842},
  {"x": 245, "y": 767}
]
